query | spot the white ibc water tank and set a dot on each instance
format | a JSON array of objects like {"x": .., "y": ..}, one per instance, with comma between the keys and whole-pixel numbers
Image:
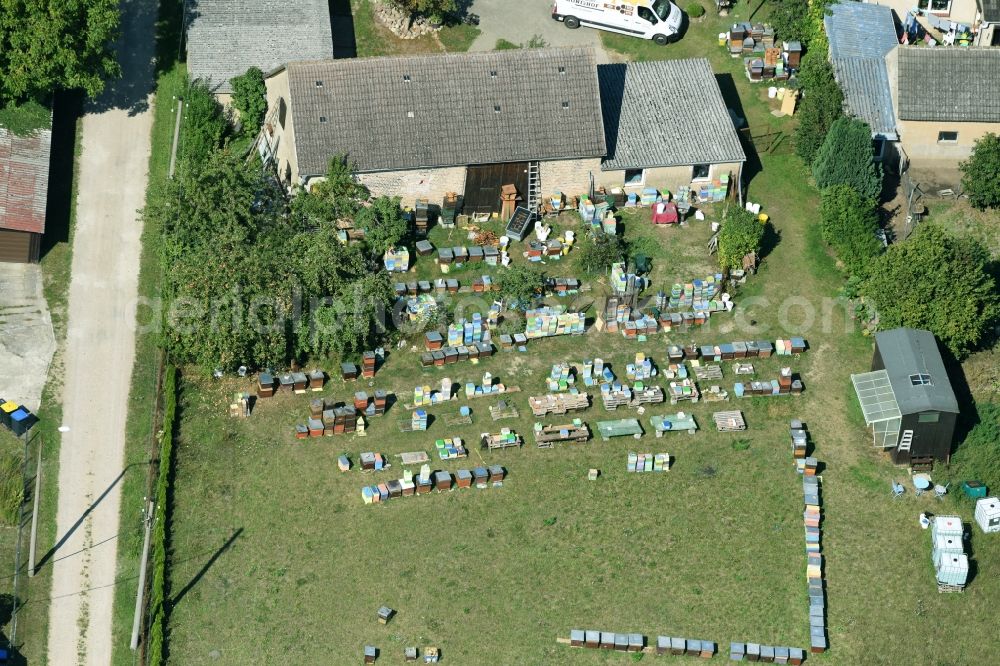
[
  {"x": 952, "y": 568},
  {"x": 988, "y": 514}
]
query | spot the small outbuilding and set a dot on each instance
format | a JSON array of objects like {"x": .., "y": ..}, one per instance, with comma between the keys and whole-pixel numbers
[{"x": 907, "y": 398}]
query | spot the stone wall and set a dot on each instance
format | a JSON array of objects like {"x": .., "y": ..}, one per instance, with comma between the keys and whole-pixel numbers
[
  {"x": 399, "y": 22},
  {"x": 430, "y": 184}
]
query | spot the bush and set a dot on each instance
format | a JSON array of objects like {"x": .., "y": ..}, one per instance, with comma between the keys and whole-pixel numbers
[
  {"x": 981, "y": 173},
  {"x": 822, "y": 104},
  {"x": 694, "y": 10},
  {"x": 741, "y": 234},
  {"x": 157, "y": 609},
  {"x": 521, "y": 285},
  {"x": 205, "y": 124},
  {"x": 978, "y": 457},
  {"x": 937, "y": 281},
  {"x": 847, "y": 158},
  {"x": 11, "y": 488},
  {"x": 849, "y": 222},
  {"x": 599, "y": 251},
  {"x": 250, "y": 99}
]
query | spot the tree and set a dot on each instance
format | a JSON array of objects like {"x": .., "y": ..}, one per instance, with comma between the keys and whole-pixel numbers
[
  {"x": 849, "y": 223},
  {"x": 205, "y": 124},
  {"x": 937, "y": 281},
  {"x": 431, "y": 8},
  {"x": 338, "y": 196},
  {"x": 521, "y": 285},
  {"x": 599, "y": 251},
  {"x": 847, "y": 158},
  {"x": 741, "y": 234},
  {"x": 822, "y": 104},
  {"x": 250, "y": 99},
  {"x": 350, "y": 322},
  {"x": 981, "y": 173},
  {"x": 800, "y": 20},
  {"x": 384, "y": 224},
  {"x": 45, "y": 46}
]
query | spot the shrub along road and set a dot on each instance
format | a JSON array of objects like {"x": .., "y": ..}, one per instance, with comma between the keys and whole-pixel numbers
[{"x": 100, "y": 347}]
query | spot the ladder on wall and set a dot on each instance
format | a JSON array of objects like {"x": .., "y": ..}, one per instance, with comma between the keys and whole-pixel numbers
[{"x": 534, "y": 187}]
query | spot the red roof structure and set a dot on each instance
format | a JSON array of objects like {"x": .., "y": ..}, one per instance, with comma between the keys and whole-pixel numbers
[{"x": 24, "y": 180}]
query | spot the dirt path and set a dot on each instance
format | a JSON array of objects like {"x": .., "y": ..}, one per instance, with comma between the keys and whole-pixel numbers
[{"x": 100, "y": 346}]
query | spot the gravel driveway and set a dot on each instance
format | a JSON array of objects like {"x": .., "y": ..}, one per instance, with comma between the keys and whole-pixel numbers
[{"x": 518, "y": 21}]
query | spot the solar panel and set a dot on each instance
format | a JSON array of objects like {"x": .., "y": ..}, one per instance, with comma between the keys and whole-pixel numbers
[{"x": 874, "y": 391}]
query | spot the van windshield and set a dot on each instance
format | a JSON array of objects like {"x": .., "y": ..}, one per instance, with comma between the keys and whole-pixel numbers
[{"x": 662, "y": 9}]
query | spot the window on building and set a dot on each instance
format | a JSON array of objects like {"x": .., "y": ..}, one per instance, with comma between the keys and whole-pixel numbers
[
  {"x": 947, "y": 137},
  {"x": 282, "y": 111},
  {"x": 700, "y": 171},
  {"x": 634, "y": 176},
  {"x": 928, "y": 417},
  {"x": 940, "y": 6},
  {"x": 920, "y": 380}
]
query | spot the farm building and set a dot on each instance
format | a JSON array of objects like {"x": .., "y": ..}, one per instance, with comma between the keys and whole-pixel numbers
[
  {"x": 860, "y": 36},
  {"x": 666, "y": 126},
  {"x": 227, "y": 37},
  {"x": 24, "y": 186},
  {"x": 944, "y": 101},
  {"x": 907, "y": 398},
  {"x": 543, "y": 120}
]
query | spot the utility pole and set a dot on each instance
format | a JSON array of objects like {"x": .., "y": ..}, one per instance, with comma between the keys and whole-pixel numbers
[
  {"x": 136, "y": 619},
  {"x": 34, "y": 514}
]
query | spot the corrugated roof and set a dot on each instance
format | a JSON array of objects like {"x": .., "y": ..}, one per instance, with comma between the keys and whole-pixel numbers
[
  {"x": 227, "y": 37},
  {"x": 665, "y": 113},
  {"x": 916, "y": 371},
  {"x": 865, "y": 82},
  {"x": 24, "y": 180},
  {"x": 407, "y": 112},
  {"x": 949, "y": 83},
  {"x": 990, "y": 10},
  {"x": 860, "y": 30}
]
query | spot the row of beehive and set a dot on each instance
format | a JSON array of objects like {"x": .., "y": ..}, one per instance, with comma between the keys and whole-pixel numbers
[
  {"x": 554, "y": 320},
  {"x": 766, "y": 653},
  {"x": 812, "y": 517},
  {"x": 617, "y": 395},
  {"x": 374, "y": 406},
  {"x": 449, "y": 355},
  {"x": 336, "y": 421},
  {"x": 647, "y": 462},
  {"x": 471, "y": 254},
  {"x": 785, "y": 384},
  {"x": 608, "y": 640},
  {"x": 559, "y": 403},
  {"x": 426, "y": 481}
]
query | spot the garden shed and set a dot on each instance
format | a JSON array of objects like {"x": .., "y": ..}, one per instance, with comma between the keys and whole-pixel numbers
[
  {"x": 24, "y": 186},
  {"x": 907, "y": 398}
]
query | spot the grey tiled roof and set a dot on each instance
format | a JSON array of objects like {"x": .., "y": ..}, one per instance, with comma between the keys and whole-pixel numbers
[
  {"x": 454, "y": 109},
  {"x": 990, "y": 10},
  {"x": 865, "y": 83},
  {"x": 227, "y": 37},
  {"x": 949, "y": 83},
  {"x": 910, "y": 351},
  {"x": 665, "y": 113},
  {"x": 860, "y": 30}
]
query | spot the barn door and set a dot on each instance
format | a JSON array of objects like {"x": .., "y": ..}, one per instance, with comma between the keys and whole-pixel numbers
[{"x": 483, "y": 183}]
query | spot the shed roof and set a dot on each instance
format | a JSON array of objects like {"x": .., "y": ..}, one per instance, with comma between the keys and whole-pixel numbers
[
  {"x": 916, "y": 371},
  {"x": 865, "y": 82},
  {"x": 227, "y": 37},
  {"x": 860, "y": 30},
  {"x": 990, "y": 10},
  {"x": 665, "y": 113},
  {"x": 948, "y": 83},
  {"x": 407, "y": 112},
  {"x": 24, "y": 180}
]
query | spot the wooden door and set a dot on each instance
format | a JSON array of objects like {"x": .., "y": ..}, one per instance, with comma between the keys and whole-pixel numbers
[{"x": 483, "y": 183}]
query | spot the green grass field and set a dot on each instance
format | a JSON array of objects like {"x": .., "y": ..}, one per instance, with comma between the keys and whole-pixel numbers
[{"x": 276, "y": 558}]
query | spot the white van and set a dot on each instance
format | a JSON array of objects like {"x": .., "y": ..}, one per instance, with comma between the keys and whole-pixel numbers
[{"x": 659, "y": 20}]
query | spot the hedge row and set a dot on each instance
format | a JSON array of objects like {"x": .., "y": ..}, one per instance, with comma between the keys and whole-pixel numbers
[{"x": 158, "y": 595}]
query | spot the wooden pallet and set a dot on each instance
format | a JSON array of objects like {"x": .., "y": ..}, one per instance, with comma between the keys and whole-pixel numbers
[
  {"x": 506, "y": 411},
  {"x": 558, "y": 403},
  {"x": 458, "y": 419},
  {"x": 707, "y": 372},
  {"x": 729, "y": 421},
  {"x": 551, "y": 433}
]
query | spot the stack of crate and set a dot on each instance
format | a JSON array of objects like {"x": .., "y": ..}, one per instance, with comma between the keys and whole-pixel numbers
[
  {"x": 418, "y": 420},
  {"x": 560, "y": 378},
  {"x": 368, "y": 364}
]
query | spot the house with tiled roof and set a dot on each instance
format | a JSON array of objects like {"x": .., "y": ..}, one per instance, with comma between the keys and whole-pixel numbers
[
  {"x": 944, "y": 100},
  {"x": 24, "y": 186},
  {"x": 544, "y": 120},
  {"x": 227, "y": 37}
]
